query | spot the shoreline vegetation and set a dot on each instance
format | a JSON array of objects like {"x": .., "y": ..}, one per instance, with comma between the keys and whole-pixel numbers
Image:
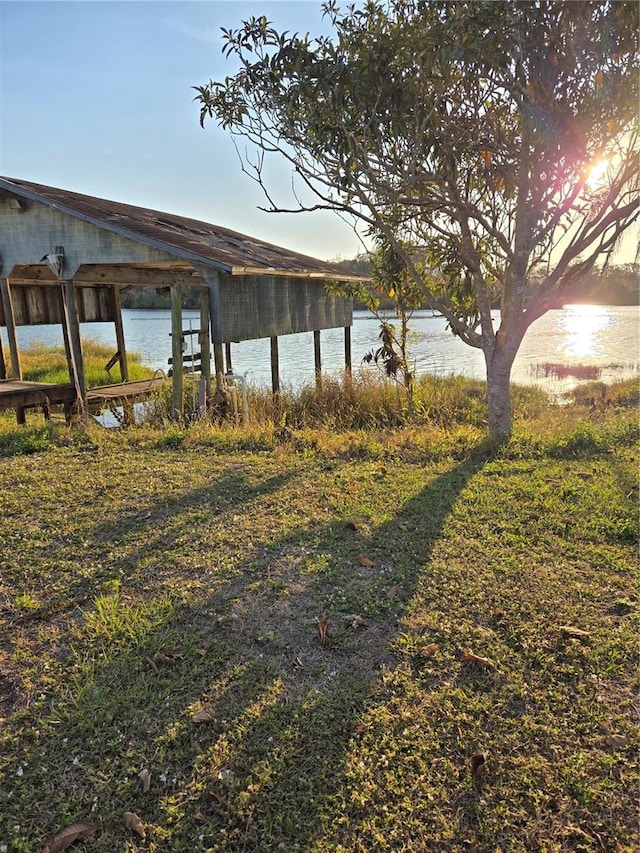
[
  {"x": 337, "y": 631},
  {"x": 617, "y": 285}
]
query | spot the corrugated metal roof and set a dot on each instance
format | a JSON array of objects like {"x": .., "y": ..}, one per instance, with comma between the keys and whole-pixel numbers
[{"x": 189, "y": 239}]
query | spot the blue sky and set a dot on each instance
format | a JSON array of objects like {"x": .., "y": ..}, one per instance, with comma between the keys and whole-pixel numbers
[{"x": 96, "y": 97}]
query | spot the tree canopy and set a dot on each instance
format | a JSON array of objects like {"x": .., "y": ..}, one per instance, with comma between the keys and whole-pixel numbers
[{"x": 492, "y": 145}]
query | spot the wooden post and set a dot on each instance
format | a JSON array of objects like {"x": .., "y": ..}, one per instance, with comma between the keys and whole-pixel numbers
[
  {"x": 218, "y": 360},
  {"x": 117, "y": 318},
  {"x": 9, "y": 320},
  {"x": 204, "y": 340},
  {"x": 3, "y": 366},
  {"x": 177, "y": 402},
  {"x": 317, "y": 359},
  {"x": 275, "y": 367},
  {"x": 347, "y": 349},
  {"x": 227, "y": 358},
  {"x": 72, "y": 324},
  {"x": 213, "y": 280}
]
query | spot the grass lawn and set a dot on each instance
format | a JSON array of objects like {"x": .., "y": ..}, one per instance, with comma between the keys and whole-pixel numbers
[{"x": 360, "y": 642}]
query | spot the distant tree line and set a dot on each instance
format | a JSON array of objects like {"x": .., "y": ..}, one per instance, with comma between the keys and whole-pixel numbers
[{"x": 616, "y": 285}]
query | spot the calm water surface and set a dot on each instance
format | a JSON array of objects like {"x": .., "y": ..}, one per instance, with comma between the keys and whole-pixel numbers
[{"x": 601, "y": 336}]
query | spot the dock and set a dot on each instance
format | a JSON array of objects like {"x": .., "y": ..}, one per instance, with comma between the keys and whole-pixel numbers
[{"x": 20, "y": 395}]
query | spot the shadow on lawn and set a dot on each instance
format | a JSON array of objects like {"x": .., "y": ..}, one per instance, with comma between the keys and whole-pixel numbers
[{"x": 261, "y": 774}]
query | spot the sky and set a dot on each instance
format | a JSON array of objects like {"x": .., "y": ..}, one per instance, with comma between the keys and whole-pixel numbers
[{"x": 96, "y": 97}]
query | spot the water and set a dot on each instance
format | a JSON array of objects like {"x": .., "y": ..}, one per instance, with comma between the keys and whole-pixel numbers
[{"x": 605, "y": 337}]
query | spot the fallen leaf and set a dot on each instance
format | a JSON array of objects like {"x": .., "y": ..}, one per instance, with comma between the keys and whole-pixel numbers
[
  {"x": 428, "y": 651},
  {"x": 204, "y": 650},
  {"x": 207, "y": 715},
  {"x": 616, "y": 740},
  {"x": 198, "y": 816},
  {"x": 357, "y": 620},
  {"x": 322, "y": 628},
  {"x": 145, "y": 778},
  {"x": 168, "y": 657},
  {"x": 573, "y": 633},
  {"x": 213, "y": 797},
  {"x": 469, "y": 657},
  {"x": 478, "y": 764},
  {"x": 133, "y": 822},
  {"x": 365, "y": 561},
  {"x": 391, "y": 593},
  {"x": 63, "y": 839}
]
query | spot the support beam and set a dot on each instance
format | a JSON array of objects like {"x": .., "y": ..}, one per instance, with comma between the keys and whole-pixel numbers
[
  {"x": 3, "y": 366},
  {"x": 218, "y": 359},
  {"x": 227, "y": 358},
  {"x": 317, "y": 359},
  {"x": 9, "y": 320},
  {"x": 275, "y": 367},
  {"x": 72, "y": 325},
  {"x": 117, "y": 319},
  {"x": 347, "y": 349},
  {"x": 177, "y": 402},
  {"x": 204, "y": 340}
]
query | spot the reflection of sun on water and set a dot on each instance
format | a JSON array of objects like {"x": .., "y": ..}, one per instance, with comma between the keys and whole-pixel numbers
[{"x": 585, "y": 328}]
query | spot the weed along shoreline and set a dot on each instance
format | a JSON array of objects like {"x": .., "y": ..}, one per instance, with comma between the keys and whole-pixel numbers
[{"x": 335, "y": 628}]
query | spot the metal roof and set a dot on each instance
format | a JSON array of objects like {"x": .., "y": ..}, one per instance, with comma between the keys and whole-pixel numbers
[{"x": 188, "y": 239}]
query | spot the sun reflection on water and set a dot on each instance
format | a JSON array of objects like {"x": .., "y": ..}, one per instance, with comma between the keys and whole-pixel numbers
[{"x": 585, "y": 329}]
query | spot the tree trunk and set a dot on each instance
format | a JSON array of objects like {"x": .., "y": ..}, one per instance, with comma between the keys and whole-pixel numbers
[{"x": 499, "y": 393}]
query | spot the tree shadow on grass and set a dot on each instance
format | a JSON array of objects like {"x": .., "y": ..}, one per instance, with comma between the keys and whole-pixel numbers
[{"x": 261, "y": 773}]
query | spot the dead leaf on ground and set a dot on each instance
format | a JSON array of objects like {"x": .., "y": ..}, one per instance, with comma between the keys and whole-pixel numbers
[
  {"x": 199, "y": 816},
  {"x": 616, "y": 740},
  {"x": 322, "y": 628},
  {"x": 204, "y": 650},
  {"x": 133, "y": 822},
  {"x": 145, "y": 779},
  {"x": 469, "y": 657},
  {"x": 358, "y": 621},
  {"x": 478, "y": 764},
  {"x": 428, "y": 651},
  {"x": 573, "y": 633},
  {"x": 365, "y": 561},
  {"x": 63, "y": 839},
  {"x": 207, "y": 715},
  {"x": 168, "y": 657},
  {"x": 213, "y": 797},
  {"x": 391, "y": 593}
]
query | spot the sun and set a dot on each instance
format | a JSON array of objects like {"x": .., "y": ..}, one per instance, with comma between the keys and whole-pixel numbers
[{"x": 597, "y": 174}]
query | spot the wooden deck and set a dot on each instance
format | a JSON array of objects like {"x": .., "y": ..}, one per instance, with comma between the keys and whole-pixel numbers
[
  {"x": 19, "y": 395},
  {"x": 127, "y": 392}
]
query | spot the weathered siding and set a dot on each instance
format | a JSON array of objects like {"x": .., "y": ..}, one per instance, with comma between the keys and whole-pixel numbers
[
  {"x": 266, "y": 306},
  {"x": 35, "y": 305},
  {"x": 29, "y": 234}
]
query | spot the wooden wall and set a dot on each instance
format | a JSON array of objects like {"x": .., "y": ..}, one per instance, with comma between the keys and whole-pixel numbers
[{"x": 35, "y": 305}]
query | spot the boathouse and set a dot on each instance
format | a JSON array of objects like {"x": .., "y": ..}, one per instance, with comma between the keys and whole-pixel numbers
[{"x": 65, "y": 257}]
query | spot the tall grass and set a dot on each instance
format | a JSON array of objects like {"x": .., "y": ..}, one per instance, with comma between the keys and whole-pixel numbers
[
  {"x": 42, "y": 363},
  {"x": 364, "y": 401}
]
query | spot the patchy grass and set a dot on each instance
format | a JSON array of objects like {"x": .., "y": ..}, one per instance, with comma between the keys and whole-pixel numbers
[{"x": 150, "y": 577}]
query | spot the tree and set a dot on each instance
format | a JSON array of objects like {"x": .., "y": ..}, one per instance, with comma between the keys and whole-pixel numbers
[
  {"x": 389, "y": 283},
  {"x": 496, "y": 140}
]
